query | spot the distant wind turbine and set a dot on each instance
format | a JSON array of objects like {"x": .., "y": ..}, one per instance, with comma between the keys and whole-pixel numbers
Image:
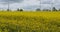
[
  {"x": 39, "y": 4},
  {"x": 52, "y": 4},
  {"x": 8, "y": 5}
]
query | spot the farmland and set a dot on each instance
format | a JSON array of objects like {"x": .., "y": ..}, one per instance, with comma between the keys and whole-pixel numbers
[{"x": 29, "y": 21}]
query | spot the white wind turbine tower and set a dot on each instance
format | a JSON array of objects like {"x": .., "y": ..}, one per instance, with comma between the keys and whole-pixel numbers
[
  {"x": 52, "y": 4},
  {"x": 40, "y": 4},
  {"x": 8, "y": 5}
]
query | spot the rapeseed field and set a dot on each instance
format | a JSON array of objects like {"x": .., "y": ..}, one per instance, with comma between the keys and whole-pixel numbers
[{"x": 29, "y": 21}]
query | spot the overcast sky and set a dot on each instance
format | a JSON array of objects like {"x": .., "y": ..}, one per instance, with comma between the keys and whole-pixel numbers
[{"x": 29, "y": 4}]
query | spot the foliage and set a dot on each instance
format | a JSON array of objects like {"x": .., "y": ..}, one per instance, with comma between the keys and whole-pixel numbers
[
  {"x": 46, "y": 10},
  {"x": 8, "y": 9},
  {"x": 19, "y": 9},
  {"x": 54, "y": 9},
  {"x": 59, "y": 10},
  {"x": 38, "y": 9}
]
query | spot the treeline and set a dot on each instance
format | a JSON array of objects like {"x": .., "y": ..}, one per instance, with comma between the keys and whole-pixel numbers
[
  {"x": 17, "y": 9},
  {"x": 53, "y": 9},
  {"x": 38, "y": 9}
]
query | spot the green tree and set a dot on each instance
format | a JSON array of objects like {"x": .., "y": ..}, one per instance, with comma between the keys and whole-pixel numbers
[
  {"x": 46, "y": 10},
  {"x": 38, "y": 9},
  {"x": 59, "y": 10},
  {"x": 8, "y": 9},
  {"x": 19, "y": 9},
  {"x": 54, "y": 9}
]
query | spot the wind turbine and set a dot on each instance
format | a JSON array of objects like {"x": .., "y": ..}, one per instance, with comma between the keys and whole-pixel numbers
[
  {"x": 8, "y": 6},
  {"x": 52, "y": 4},
  {"x": 40, "y": 4}
]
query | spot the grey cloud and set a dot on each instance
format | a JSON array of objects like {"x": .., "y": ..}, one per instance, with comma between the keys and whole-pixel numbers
[
  {"x": 11, "y": 1},
  {"x": 57, "y": 1},
  {"x": 31, "y": 7},
  {"x": 46, "y": 1}
]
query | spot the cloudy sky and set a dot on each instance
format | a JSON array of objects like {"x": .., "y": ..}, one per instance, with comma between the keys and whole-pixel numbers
[{"x": 29, "y": 4}]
